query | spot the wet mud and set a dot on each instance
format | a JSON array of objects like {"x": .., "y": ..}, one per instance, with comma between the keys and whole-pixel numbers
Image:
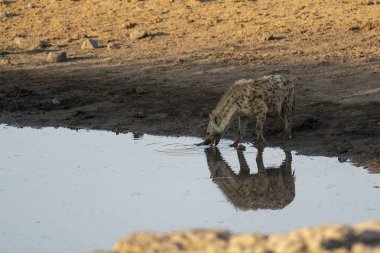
[
  {"x": 168, "y": 80},
  {"x": 170, "y": 99}
]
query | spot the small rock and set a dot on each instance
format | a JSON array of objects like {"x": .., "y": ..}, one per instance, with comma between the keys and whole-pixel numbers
[
  {"x": 136, "y": 90},
  {"x": 369, "y": 236},
  {"x": 78, "y": 36},
  {"x": 137, "y": 135},
  {"x": 29, "y": 44},
  {"x": 90, "y": 44},
  {"x": 299, "y": 52},
  {"x": 5, "y": 2},
  {"x": 112, "y": 45},
  {"x": 5, "y": 62},
  {"x": 272, "y": 37},
  {"x": 355, "y": 29},
  {"x": 138, "y": 34},
  {"x": 342, "y": 159},
  {"x": 6, "y": 14},
  {"x": 138, "y": 114},
  {"x": 129, "y": 25},
  {"x": 32, "y": 5},
  {"x": 180, "y": 60},
  {"x": 269, "y": 37},
  {"x": 55, "y": 101},
  {"x": 57, "y": 57}
]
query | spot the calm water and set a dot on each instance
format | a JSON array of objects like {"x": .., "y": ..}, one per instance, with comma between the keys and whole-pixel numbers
[{"x": 73, "y": 191}]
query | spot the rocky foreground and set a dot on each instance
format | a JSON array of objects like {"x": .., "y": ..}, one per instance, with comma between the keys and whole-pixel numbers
[{"x": 364, "y": 237}]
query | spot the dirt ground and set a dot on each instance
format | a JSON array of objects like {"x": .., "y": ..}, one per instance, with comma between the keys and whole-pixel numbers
[{"x": 168, "y": 81}]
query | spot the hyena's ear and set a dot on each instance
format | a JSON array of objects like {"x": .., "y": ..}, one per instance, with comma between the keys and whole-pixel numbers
[{"x": 217, "y": 120}]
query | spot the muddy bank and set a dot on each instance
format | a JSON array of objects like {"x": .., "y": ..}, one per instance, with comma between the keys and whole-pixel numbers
[
  {"x": 358, "y": 238},
  {"x": 168, "y": 79},
  {"x": 334, "y": 116}
]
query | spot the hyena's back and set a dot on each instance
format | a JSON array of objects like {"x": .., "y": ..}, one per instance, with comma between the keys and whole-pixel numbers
[{"x": 274, "y": 92}]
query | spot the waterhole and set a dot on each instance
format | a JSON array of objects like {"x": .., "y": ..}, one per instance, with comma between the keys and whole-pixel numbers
[{"x": 63, "y": 190}]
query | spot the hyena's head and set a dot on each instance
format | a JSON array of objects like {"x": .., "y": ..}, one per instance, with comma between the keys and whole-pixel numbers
[{"x": 214, "y": 130}]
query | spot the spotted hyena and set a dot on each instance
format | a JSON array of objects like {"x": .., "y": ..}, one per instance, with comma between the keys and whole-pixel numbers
[{"x": 268, "y": 96}]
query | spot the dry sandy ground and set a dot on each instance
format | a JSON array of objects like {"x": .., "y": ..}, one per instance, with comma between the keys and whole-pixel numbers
[{"x": 168, "y": 81}]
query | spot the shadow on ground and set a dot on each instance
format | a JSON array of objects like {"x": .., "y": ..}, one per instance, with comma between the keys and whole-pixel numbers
[{"x": 337, "y": 106}]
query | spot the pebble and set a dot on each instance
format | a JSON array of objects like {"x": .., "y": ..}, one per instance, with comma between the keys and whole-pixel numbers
[
  {"x": 180, "y": 60},
  {"x": 90, "y": 44},
  {"x": 57, "y": 57},
  {"x": 273, "y": 37},
  {"x": 5, "y": 2},
  {"x": 5, "y": 62},
  {"x": 32, "y": 5},
  {"x": 78, "y": 36},
  {"x": 112, "y": 45},
  {"x": 369, "y": 236},
  {"x": 55, "y": 101},
  {"x": 29, "y": 44},
  {"x": 269, "y": 37},
  {"x": 138, "y": 34},
  {"x": 354, "y": 29},
  {"x": 6, "y": 14},
  {"x": 342, "y": 159},
  {"x": 138, "y": 114},
  {"x": 129, "y": 25}
]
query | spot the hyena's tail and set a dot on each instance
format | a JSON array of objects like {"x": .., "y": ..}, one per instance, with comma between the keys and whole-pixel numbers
[{"x": 291, "y": 90}]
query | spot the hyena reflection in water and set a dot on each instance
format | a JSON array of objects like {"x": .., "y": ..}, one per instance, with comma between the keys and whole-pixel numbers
[{"x": 271, "y": 188}]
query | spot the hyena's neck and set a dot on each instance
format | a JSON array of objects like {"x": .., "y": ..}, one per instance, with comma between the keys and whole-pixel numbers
[{"x": 226, "y": 109}]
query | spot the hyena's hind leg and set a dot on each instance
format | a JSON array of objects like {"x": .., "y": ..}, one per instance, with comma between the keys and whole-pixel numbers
[
  {"x": 286, "y": 115},
  {"x": 243, "y": 120}
]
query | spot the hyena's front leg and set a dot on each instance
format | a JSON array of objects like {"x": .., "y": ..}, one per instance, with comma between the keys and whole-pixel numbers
[
  {"x": 260, "y": 109},
  {"x": 260, "y": 120},
  {"x": 243, "y": 120}
]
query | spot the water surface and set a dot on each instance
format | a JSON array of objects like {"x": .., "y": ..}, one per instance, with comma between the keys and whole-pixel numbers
[{"x": 72, "y": 191}]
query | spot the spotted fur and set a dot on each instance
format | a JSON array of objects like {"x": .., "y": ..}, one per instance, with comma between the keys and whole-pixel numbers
[{"x": 268, "y": 96}]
